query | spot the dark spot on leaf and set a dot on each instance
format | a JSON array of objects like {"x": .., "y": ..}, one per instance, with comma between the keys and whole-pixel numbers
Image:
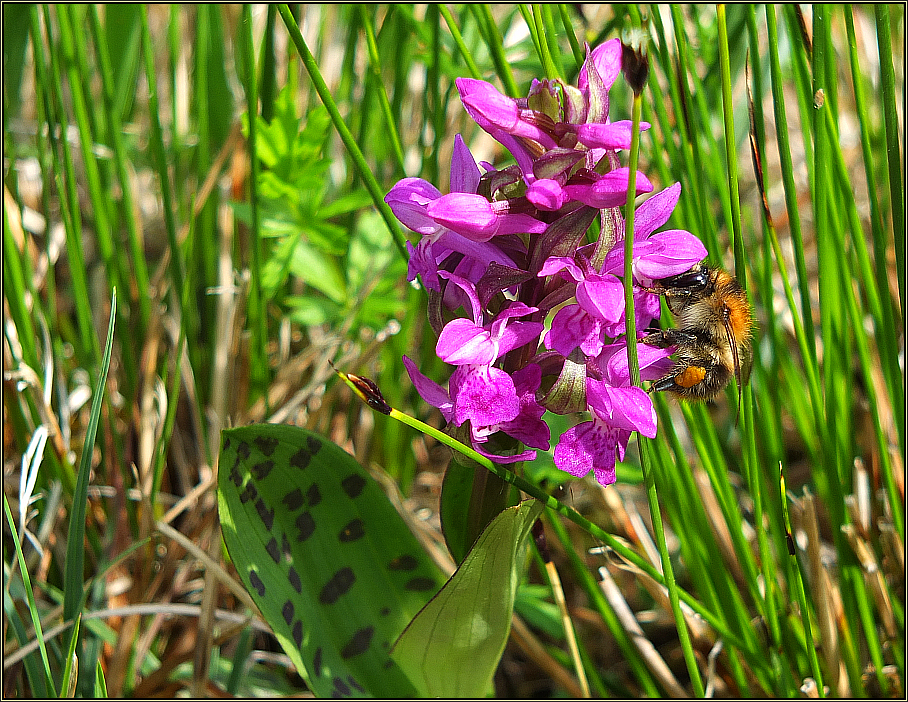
[
  {"x": 314, "y": 444},
  {"x": 273, "y": 550},
  {"x": 353, "y": 484},
  {"x": 313, "y": 495},
  {"x": 243, "y": 450},
  {"x": 287, "y": 610},
  {"x": 359, "y": 643},
  {"x": 339, "y": 584},
  {"x": 293, "y": 500},
  {"x": 355, "y": 684},
  {"x": 405, "y": 562},
  {"x": 249, "y": 493},
  {"x": 300, "y": 459},
  {"x": 317, "y": 663},
  {"x": 353, "y": 531},
  {"x": 419, "y": 584},
  {"x": 385, "y": 611},
  {"x": 388, "y": 664},
  {"x": 267, "y": 515},
  {"x": 261, "y": 470},
  {"x": 306, "y": 524},
  {"x": 285, "y": 547},
  {"x": 227, "y": 443},
  {"x": 236, "y": 477},
  {"x": 340, "y": 688},
  {"x": 266, "y": 444},
  {"x": 295, "y": 580},
  {"x": 257, "y": 583},
  {"x": 298, "y": 633}
]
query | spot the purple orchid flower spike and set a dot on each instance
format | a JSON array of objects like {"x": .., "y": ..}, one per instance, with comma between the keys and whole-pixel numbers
[{"x": 515, "y": 252}]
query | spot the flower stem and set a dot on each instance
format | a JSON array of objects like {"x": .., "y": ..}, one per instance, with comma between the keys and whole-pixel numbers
[
  {"x": 368, "y": 392},
  {"x": 631, "y": 336}
]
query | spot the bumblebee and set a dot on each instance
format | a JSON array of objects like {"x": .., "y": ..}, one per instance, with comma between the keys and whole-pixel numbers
[{"x": 713, "y": 334}]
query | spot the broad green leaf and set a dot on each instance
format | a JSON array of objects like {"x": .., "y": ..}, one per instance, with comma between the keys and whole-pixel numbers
[
  {"x": 453, "y": 646},
  {"x": 454, "y": 508},
  {"x": 329, "y": 562},
  {"x": 310, "y": 310},
  {"x": 322, "y": 273}
]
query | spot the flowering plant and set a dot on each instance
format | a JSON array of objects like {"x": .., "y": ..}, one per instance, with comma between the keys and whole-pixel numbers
[{"x": 509, "y": 248}]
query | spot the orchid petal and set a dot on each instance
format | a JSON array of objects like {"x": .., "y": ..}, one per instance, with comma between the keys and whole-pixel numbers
[
  {"x": 430, "y": 391},
  {"x": 464, "y": 171},
  {"x": 588, "y": 446},
  {"x": 462, "y": 343},
  {"x": 653, "y": 213},
  {"x": 408, "y": 200}
]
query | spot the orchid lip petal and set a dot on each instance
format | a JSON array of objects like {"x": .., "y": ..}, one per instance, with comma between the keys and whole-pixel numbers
[{"x": 484, "y": 395}]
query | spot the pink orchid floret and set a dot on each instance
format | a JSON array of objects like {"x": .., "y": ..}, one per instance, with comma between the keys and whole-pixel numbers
[
  {"x": 617, "y": 408},
  {"x": 477, "y": 219},
  {"x": 606, "y": 58},
  {"x": 497, "y": 113},
  {"x": 614, "y": 135},
  {"x": 410, "y": 199},
  {"x": 491, "y": 401}
]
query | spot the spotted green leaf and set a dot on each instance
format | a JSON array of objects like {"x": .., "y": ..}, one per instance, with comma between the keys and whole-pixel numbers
[
  {"x": 330, "y": 563},
  {"x": 451, "y": 649}
]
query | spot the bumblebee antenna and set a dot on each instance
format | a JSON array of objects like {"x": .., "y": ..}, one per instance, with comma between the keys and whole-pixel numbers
[{"x": 734, "y": 352}]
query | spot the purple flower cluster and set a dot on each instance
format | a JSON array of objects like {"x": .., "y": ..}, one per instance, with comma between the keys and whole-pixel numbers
[{"x": 509, "y": 248}]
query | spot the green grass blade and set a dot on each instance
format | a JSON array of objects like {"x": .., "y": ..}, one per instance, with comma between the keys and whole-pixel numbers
[
  {"x": 71, "y": 668},
  {"x": 100, "y": 683},
  {"x": 78, "y": 83},
  {"x": 375, "y": 67},
  {"x": 894, "y": 153},
  {"x": 32, "y": 606},
  {"x": 113, "y": 111},
  {"x": 66, "y": 182},
  {"x": 258, "y": 320},
  {"x": 160, "y": 158},
  {"x": 75, "y": 550}
]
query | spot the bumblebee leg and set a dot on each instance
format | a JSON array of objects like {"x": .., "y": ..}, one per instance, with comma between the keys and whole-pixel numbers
[
  {"x": 692, "y": 381},
  {"x": 669, "y": 337}
]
